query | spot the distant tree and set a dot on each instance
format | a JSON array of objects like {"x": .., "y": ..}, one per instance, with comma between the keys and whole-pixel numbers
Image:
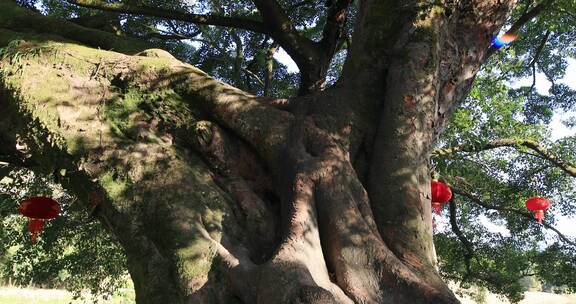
[{"x": 531, "y": 283}]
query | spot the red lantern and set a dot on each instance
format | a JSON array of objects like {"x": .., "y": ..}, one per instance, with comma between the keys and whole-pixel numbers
[
  {"x": 38, "y": 209},
  {"x": 538, "y": 204},
  {"x": 441, "y": 194}
]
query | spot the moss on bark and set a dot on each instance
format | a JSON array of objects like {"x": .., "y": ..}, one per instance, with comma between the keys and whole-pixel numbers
[
  {"x": 111, "y": 117},
  {"x": 16, "y": 18}
]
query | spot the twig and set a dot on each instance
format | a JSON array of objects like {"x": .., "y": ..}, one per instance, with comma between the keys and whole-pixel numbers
[
  {"x": 527, "y": 215},
  {"x": 566, "y": 166},
  {"x": 529, "y": 15},
  {"x": 253, "y": 75}
]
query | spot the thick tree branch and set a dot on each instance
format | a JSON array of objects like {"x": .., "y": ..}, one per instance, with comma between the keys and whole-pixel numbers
[
  {"x": 335, "y": 24},
  {"x": 312, "y": 60},
  {"x": 273, "y": 15},
  {"x": 527, "y": 215},
  {"x": 566, "y": 166},
  {"x": 300, "y": 48},
  {"x": 16, "y": 18},
  {"x": 126, "y": 8}
]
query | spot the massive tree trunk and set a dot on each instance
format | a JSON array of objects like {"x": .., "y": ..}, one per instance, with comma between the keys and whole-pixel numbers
[{"x": 218, "y": 196}]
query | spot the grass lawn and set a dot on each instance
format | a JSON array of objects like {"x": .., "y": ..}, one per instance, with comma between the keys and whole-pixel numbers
[
  {"x": 530, "y": 297},
  {"x": 12, "y": 295}
]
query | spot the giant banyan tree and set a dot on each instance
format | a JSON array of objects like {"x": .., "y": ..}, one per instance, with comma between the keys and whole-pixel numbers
[{"x": 221, "y": 196}]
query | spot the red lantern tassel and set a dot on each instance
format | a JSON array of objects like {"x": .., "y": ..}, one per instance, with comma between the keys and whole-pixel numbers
[
  {"x": 437, "y": 207},
  {"x": 539, "y": 215},
  {"x": 35, "y": 226}
]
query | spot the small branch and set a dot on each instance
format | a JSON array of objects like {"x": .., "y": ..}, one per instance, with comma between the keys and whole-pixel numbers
[
  {"x": 566, "y": 166},
  {"x": 550, "y": 77},
  {"x": 535, "y": 59},
  {"x": 269, "y": 68},
  {"x": 527, "y": 215},
  {"x": 529, "y": 15},
  {"x": 212, "y": 44},
  {"x": 238, "y": 58},
  {"x": 162, "y": 36},
  {"x": 470, "y": 250},
  {"x": 253, "y": 75},
  {"x": 251, "y": 66},
  {"x": 167, "y": 36},
  {"x": 525, "y": 18},
  {"x": 125, "y": 8},
  {"x": 533, "y": 76},
  {"x": 467, "y": 244},
  {"x": 540, "y": 48}
]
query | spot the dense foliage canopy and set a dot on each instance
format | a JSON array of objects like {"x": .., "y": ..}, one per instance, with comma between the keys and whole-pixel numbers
[{"x": 497, "y": 151}]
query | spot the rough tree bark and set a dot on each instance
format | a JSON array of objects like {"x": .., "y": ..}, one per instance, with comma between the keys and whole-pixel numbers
[{"x": 219, "y": 196}]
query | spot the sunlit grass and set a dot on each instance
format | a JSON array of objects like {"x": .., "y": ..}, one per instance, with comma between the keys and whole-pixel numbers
[{"x": 48, "y": 296}]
